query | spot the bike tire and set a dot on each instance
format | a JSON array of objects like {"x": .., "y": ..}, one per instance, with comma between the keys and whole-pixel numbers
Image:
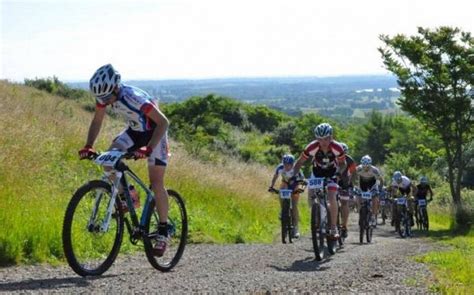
[
  {"x": 362, "y": 223},
  {"x": 407, "y": 227},
  {"x": 341, "y": 239},
  {"x": 177, "y": 232},
  {"x": 81, "y": 249},
  {"x": 384, "y": 216},
  {"x": 368, "y": 230},
  {"x": 316, "y": 233},
  {"x": 286, "y": 222},
  {"x": 402, "y": 219}
]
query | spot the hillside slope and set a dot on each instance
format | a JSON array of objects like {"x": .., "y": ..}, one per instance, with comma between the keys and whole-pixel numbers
[{"x": 40, "y": 135}]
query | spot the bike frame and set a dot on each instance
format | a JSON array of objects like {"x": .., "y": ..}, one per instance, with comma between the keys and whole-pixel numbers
[{"x": 117, "y": 177}]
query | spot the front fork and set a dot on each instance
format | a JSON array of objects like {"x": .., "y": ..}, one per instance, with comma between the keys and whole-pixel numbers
[{"x": 104, "y": 226}]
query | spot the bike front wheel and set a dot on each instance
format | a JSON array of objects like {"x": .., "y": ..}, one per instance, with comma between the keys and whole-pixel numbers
[
  {"x": 91, "y": 239},
  {"x": 286, "y": 224},
  {"x": 177, "y": 232},
  {"x": 317, "y": 235}
]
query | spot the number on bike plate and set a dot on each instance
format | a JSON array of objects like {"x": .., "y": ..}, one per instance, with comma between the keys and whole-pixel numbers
[
  {"x": 401, "y": 201},
  {"x": 366, "y": 195},
  {"x": 285, "y": 193},
  {"x": 316, "y": 183},
  {"x": 421, "y": 202},
  {"x": 109, "y": 158}
]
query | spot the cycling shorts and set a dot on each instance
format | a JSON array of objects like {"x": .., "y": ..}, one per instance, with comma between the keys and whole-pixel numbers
[{"x": 131, "y": 140}]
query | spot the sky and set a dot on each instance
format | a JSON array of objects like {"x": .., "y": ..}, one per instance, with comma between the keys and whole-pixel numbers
[{"x": 196, "y": 39}]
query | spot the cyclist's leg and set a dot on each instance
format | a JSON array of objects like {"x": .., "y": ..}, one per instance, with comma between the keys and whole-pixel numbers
[
  {"x": 157, "y": 163},
  {"x": 156, "y": 174},
  {"x": 333, "y": 207},
  {"x": 296, "y": 214},
  {"x": 344, "y": 198},
  {"x": 122, "y": 143}
]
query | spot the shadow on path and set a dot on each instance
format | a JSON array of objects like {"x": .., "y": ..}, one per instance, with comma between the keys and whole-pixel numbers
[
  {"x": 307, "y": 264},
  {"x": 54, "y": 283}
]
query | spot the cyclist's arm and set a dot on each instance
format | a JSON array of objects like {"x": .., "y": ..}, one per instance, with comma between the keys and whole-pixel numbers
[
  {"x": 299, "y": 164},
  {"x": 275, "y": 177},
  {"x": 161, "y": 121},
  {"x": 354, "y": 178},
  {"x": 95, "y": 125},
  {"x": 431, "y": 193}
]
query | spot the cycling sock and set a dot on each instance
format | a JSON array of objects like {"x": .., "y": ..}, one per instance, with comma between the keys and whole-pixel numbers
[{"x": 163, "y": 229}]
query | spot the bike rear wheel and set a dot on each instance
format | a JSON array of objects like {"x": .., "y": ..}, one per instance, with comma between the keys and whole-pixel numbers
[
  {"x": 177, "y": 232},
  {"x": 91, "y": 249},
  {"x": 316, "y": 233}
]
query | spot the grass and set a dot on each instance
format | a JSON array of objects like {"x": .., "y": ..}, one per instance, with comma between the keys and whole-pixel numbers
[
  {"x": 453, "y": 267},
  {"x": 40, "y": 134}
]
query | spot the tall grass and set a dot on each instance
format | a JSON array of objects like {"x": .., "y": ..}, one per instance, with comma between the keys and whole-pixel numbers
[
  {"x": 453, "y": 267},
  {"x": 40, "y": 135}
]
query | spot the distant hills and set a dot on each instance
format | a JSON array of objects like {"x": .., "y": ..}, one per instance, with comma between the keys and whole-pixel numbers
[{"x": 344, "y": 96}]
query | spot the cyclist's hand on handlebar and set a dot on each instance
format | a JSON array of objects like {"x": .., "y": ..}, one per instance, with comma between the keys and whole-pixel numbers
[
  {"x": 142, "y": 152},
  {"x": 86, "y": 152}
]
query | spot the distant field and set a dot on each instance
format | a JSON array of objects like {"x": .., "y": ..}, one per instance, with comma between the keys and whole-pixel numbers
[{"x": 331, "y": 96}]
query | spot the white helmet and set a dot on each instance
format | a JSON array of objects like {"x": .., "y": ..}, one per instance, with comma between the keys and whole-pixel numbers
[
  {"x": 323, "y": 130},
  {"x": 397, "y": 176},
  {"x": 366, "y": 160},
  {"x": 104, "y": 81}
]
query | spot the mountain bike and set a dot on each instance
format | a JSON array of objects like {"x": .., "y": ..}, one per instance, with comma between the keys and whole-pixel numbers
[
  {"x": 366, "y": 227},
  {"x": 286, "y": 217},
  {"x": 422, "y": 220},
  {"x": 95, "y": 217},
  {"x": 320, "y": 219},
  {"x": 402, "y": 220}
]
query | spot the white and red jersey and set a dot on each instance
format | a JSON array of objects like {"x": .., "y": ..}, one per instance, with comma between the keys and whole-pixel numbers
[
  {"x": 324, "y": 160},
  {"x": 133, "y": 104}
]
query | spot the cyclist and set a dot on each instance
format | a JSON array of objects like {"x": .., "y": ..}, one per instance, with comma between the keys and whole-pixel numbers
[
  {"x": 145, "y": 135},
  {"x": 289, "y": 181},
  {"x": 345, "y": 188},
  {"x": 403, "y": 185},
  {"x": 421, "y": 191},
  {"x": 328, "y": 159},
  {"x": 369, "y": 178}
]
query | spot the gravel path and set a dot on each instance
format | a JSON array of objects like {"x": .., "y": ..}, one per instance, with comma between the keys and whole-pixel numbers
[{"x": 383, "y": 267}]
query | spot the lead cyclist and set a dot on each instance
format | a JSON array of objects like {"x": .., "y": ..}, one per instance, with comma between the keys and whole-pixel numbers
[{"x": 145, "y": 135}]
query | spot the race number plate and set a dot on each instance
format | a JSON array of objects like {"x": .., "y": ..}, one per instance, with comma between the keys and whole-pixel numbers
[
  {"x": 421, "y": 202},
  {"x": 401, "y": 201},
  {"x": 285, "y": 193},
  {"x": 316, "y": 183},
  {"x": 366, "y": 195},
  {"x": 109, "y": 158}
]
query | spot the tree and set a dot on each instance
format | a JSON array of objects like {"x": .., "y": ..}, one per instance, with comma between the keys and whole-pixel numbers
[
  {"x": 435, "y": 73},
  {"x": 373, "y": 136}
]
